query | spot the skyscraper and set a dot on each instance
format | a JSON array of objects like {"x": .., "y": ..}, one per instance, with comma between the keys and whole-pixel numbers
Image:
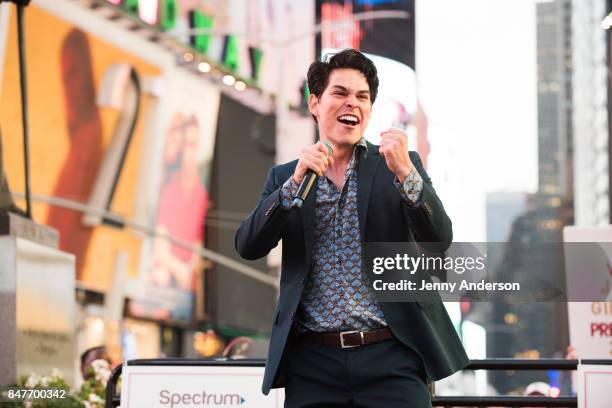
[
  {"x": 590, "y": 105},
  {"x": 554, "y": 65},
  {"x": 534, "y": 244}
]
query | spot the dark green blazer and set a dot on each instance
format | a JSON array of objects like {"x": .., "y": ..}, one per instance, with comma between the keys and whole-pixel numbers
[{"x": 383, "y": 217}]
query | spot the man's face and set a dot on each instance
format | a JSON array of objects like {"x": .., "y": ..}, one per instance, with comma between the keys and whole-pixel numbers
[{"x": 343, "y": 110}]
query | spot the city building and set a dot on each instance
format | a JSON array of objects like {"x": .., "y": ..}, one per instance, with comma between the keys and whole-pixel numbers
[{"x": 590, "y": 113}]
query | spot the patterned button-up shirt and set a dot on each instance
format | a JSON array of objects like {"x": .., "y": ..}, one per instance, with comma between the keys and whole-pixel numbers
[{"x": 337, "y": 295}]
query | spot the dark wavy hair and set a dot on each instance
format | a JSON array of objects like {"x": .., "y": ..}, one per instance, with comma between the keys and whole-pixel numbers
[{"x": 318, "y": 72}]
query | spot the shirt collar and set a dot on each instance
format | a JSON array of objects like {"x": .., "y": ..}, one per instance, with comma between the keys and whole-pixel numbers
[
  {"x": 363, "y": 143},
  {"x": 360, "y": 150}
]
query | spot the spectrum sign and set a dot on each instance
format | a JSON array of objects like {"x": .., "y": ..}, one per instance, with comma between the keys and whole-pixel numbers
[{"x": 196, "y": 386}]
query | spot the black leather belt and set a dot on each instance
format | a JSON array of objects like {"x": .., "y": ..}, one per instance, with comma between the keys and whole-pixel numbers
[{"x": 346, "y": 339}]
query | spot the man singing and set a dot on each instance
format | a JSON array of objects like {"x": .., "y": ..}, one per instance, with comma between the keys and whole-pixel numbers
[{"x": 333, "y": 344}]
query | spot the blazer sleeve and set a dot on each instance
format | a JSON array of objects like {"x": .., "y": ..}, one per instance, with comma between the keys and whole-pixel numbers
[
  {"x": 262, "y": 230},
  {"x": 431, "y": 226}
]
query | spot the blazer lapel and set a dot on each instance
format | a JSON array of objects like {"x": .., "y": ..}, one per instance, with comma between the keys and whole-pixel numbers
[
  {"x": 307, "y": 212},
  {"x": 365, "y": 177}
]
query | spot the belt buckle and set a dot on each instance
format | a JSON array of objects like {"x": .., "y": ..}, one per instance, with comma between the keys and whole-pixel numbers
[{"x": 344, "y": 346}]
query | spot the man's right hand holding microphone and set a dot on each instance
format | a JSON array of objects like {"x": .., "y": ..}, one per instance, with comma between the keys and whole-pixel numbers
[{"x": 314, "y": 161}]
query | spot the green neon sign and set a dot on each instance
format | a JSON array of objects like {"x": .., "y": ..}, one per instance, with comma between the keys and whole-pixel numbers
[
  {"x": 201, "y": 42},
  {"x": 169, "y": 12}
]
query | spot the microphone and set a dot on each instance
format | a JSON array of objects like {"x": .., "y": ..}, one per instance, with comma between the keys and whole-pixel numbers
[{"x": 309, "y": 180}]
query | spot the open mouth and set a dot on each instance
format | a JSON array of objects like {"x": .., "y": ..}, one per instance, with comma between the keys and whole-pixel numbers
[{"x": 347, "y": 119}]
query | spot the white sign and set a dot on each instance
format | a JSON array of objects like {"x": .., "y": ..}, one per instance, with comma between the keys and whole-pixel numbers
[
  {"x": 204, "y": 386},
  {"x": 595, "y": 384},
  {"x": 588, "y": 270}
]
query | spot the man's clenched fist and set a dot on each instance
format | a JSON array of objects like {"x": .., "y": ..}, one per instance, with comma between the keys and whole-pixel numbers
[{"x": 394, "y": 148}]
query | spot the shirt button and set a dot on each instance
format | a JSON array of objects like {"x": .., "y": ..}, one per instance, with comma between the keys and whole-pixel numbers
[
  {"x": 292, "y": 315},
  {"x": 303, "y": 281}
]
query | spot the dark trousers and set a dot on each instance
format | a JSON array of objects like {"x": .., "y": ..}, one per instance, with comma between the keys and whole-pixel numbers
[{"x": 386, "y": 374}]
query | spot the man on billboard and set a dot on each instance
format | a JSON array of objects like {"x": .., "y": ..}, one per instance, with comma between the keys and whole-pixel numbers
[
  {"x": 332, "y": 342},
  {"x": 182, "y": 208}
]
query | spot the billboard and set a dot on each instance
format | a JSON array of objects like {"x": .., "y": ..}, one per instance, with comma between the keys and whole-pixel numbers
[
  {"x": 589, "y": 270},
  {"x": 255, "y": 40},
  {"x": 70, "y": 133},
  {"x": 237, "y": 300},
  {"x": 170, "y": 270},
  {"x": 390, "y": 44},
  {"x": 391, "y": 38}
]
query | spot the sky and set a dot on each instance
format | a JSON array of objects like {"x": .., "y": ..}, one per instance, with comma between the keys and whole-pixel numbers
[{"x": 476, "y": 79}]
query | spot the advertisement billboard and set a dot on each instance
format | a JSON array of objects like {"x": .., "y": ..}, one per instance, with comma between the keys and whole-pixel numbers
[
  {"x": 70, "y": 134},
  {"x": 237, "y": 300},
  {"x": 390, "y": 44},
  {"x": 589, "y": 269},
  {"x": 391, "y": 38},
  {"x": 170, "y": 269}
]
